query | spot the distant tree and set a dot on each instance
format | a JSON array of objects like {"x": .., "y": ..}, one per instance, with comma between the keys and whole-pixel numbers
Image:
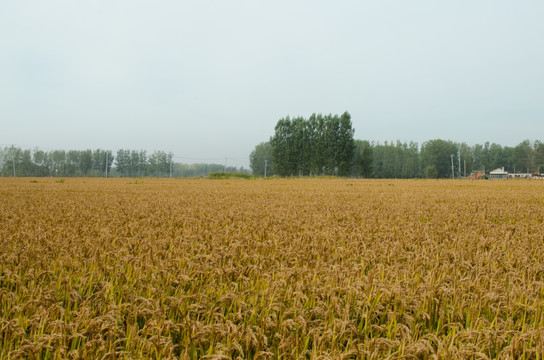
[
  {"x": 437, "y": 154},
  {"x": 319, "y": 145},
  {"x": 86, "y": 162},
  {"x": 58, "y": 160},
  {"x": 73, "y": 158},
  {"x": 27, "y": 166},
  {"x": 496, "y": 157},
  {"x": 122, "y": 162},
  {"x": 539, "y": 156},
  {"x": 363, "y": 159},
  {"x": 330, "y": 137},
  {"x": 135, "y": 166},
  {"x": 18, "y": 161},
  {"x": 509, "y": 158},
  {"x": 101, "y": 160},
  {"x": 170, "y": 162},
  {"x": 431, "y": 172},
  {"x": 466, "y": 158},
  {"x": 486, "y": 158},
  {"x": 259, "y": 156},
  {"x": 283, "y": 148},
  {"x": 412, "y": 161},
  {"x": 345, "y": 145},
  {"x": 140, "y": 163},
  {"x": 164, "y": 163},
  {"x": 396, "y": 160},
  {"x": 159, "y": 164},
  {"x": 301, "y": 147},
  {"x": 41, "y": 162},
  {"x": 478, "y": 163},
  {"x": 109, "y": 160},
  {"x": 386, "y": 160},
  {"x": 153, "y": 164},
  {"x": 523, "y": 157}
]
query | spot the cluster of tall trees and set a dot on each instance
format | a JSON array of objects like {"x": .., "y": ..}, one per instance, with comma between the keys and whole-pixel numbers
[
  {"x": 134, "y": 163},
  {"x": 324, "y": 145},
  {"x": 25, "y": 162},
  {"x": 321, "y": 144},
  {"x": 15, "y": 161},
  {"x": 137, "y": 163}
]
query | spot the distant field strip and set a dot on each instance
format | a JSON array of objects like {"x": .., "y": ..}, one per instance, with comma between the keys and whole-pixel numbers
[{"x": 271, "y": 269}]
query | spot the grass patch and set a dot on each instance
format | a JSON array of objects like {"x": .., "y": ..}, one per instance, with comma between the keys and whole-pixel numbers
[{"x": 227, "y": 175}]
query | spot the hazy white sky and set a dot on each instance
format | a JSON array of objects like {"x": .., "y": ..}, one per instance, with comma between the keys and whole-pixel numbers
[{"x": 210, "y": 79}]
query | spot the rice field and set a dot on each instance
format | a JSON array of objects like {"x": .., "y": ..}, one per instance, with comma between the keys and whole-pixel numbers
[{"x": 271, "y": 269}]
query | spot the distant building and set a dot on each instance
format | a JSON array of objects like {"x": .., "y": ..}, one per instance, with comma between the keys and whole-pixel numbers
[
  {"x": 520, "y": 176},
  {"x": 498, "y": 174}
]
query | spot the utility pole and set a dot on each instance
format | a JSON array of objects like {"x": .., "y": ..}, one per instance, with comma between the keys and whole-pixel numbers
[
  {"x": 459, "y": 158},
  {"x": 106, "y": 164},
  {"x": 452, "y": 169},
  {"x": 265, "y": 166},
  {"x": 465, "y": 168},
  {"x": 170, "y": 167},
  {"x": 13, "y": 158}
]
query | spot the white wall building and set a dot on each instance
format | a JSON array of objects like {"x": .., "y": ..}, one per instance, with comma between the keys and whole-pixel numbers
[{"x": 498, "y": 174}]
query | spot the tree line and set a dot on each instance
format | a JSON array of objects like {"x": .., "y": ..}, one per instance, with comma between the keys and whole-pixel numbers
[
  {"x": 324, "y": 145},
  {"x": 15, "y": 161},
  {"x": 434, "y": 158}
]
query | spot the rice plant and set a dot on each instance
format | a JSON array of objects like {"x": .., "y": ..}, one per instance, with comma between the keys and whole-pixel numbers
[{"x": 276, "y": 269}]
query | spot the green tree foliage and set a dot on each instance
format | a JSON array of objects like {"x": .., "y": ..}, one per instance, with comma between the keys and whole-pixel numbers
[
  {"x": 431, "y": 172},
  {"x": 438, "y": 154},
  {"x": 73, "y": 160},
  {"x": 319, "y": 145},
  {"x": 396, "y": 160},
  {"x": 131, "y": 163},
  {"x": 122, "y": 161},
  {"x": 101, "y": 160},
  {"x": 159, "y": 163},
  {"x": 42, "y": 163},
  {"x": 466, "y": 159},
  {"x": 61, "y": 163},
  {"x": 86, "y": 162},
  {"x": 281, "y": 147},
  {"x": 55, "y": 163},
  {"x": 363, "y": 159},
  {"x": 539, "y": 156},
  {"x": 324, "y": 145},
  {"x": 344, "y": 144},
  {"x": 260, "y": 157},
  {"x": 524, "y": 157}
]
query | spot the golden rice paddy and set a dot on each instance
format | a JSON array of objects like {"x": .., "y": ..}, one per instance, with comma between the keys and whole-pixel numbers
[{"x": 271, "y": 269}]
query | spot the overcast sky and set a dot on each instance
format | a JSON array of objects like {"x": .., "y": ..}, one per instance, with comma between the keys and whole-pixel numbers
[{"x": 210, "y": 79}]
